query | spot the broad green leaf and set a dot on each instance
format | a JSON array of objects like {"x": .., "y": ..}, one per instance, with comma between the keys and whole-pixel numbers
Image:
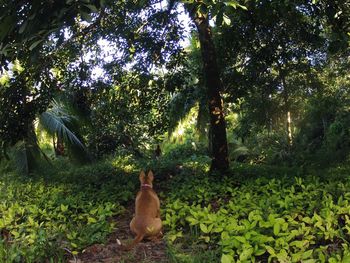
[
  {"x": 307, "y": 254},
  {"x": 232, "y": 3},
  {"x": 259, "y": 252},
  {"x": 224, "y": 235},
  {"x": 246, "y": 254},
  {"x": 270, "y": 250},
  {"x": 282, "y": 255},
  {"x": 91, "y": 220},
  {"x": 276, "y": 229},
  {"x": 203, "y": 228},
  {"x": 240, "y": 239},
  {"x": 227, "y": 20},
  {"x": 225, "y": 258}
]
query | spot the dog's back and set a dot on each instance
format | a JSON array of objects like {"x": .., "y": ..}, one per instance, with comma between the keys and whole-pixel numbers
[{"x": 147, "y": 222}]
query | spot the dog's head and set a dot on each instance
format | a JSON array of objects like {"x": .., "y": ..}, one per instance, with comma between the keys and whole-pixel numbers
[{"x": 146, "y": 181}]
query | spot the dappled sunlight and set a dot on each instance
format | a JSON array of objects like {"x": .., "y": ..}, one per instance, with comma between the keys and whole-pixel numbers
[{"x": 239, "y": 111}]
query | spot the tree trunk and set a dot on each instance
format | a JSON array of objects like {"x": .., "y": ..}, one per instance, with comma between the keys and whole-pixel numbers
[
  {"x": 289, "y": 128},
  {"x": 214, "y": 86},
  {"x": 59, "y": 149},
  {"x": 286, "y": 106}
]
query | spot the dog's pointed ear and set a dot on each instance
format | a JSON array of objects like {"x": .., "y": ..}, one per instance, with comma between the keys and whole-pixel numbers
[
  {"x": 150, "y": 175},
  {"x": 142, "y": 176}
]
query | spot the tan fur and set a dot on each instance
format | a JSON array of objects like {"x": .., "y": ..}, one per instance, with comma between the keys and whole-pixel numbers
[{"x": 146, "y": 222}]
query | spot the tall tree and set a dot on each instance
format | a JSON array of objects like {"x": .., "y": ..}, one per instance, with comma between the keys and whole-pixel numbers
[
  {"x": 145, "y": 31},
  {"x": 218, "y": 139}
]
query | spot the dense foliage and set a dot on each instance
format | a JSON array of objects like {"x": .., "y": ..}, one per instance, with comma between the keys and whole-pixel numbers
[
  {"x": 58, "y": 214},
  {"x": 248, "y": 106},
  {"x": 263, "y": 213},
  {"x": 268, "y": 215}
]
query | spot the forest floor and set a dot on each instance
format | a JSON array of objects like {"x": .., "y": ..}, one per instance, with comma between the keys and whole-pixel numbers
[{"x": 144, "y": 252}]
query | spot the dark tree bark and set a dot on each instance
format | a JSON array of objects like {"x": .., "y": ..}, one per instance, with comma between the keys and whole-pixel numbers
[{"x": 214, "y": 86}]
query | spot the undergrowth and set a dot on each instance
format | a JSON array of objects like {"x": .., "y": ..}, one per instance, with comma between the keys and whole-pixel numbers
[
  {"x": 62, "y": 209},
  {"x": 260, "y": 214},
  {"x": 254, "y": 213}
]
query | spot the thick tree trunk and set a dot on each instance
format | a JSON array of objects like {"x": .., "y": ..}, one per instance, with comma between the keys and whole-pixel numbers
[{"x": 214, "y": 86}]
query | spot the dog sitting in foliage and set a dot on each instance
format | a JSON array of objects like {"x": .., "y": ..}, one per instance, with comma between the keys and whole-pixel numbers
[{"x": 146, "y": 222}]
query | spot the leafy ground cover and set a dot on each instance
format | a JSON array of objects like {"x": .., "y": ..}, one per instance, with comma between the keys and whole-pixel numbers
[
  {"x": 252, "y": 214},
  {"x": 61, "y": 213},
  {"x": 259, "y": 214}
]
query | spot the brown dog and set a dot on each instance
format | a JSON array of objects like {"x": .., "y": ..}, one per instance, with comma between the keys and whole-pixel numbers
[{"x": 146, "y": 222}]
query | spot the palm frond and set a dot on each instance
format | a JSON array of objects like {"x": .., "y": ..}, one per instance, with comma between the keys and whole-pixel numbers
[
  {"x": 180, "y": 106},
  {"x": 56, "y": 121}
]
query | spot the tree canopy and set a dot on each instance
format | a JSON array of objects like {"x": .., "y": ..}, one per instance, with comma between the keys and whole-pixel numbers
[{"x": 262, "y": 58}]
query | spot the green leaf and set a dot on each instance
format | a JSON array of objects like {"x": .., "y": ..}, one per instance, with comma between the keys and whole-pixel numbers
[
  {"x": 235, "y": 4},
  {"x": 227, "y": 20},
  {"x": 224, "y": 235},
  {"x": 260, "y": 252},
  {"x": 35, "y": 44},
  {"x": 276, "y": 229},
  {"x": 232, "y": 3},
  {"x": 240, "y": 239},
  {"x": 92, "y": 8},
  {"x": 299, "y": 243},
  {"x": 282, "y": 255},
  {"x": 307, "y": 254},
  {"x": 246, "y": 253},
  {"x": 203, "y": 228},
  {"x": 270, "y": 250},
  {"x": 56, "y": 121},
  {"x": 86, "y": 16},
  {"x": 64, "y": 208},
  {"x": 23, "y": 27},
  {"x": 225, "y": 258},
  {"x": 91, "y": 220}
]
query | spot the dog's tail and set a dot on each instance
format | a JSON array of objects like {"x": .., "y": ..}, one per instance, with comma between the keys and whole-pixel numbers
[{"x": 137, "y": 240}]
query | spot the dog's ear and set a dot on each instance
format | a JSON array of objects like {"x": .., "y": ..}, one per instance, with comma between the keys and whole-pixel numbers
[
  {"x": 142, "y": 176},
  {"x": 150, "y": 176}
]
